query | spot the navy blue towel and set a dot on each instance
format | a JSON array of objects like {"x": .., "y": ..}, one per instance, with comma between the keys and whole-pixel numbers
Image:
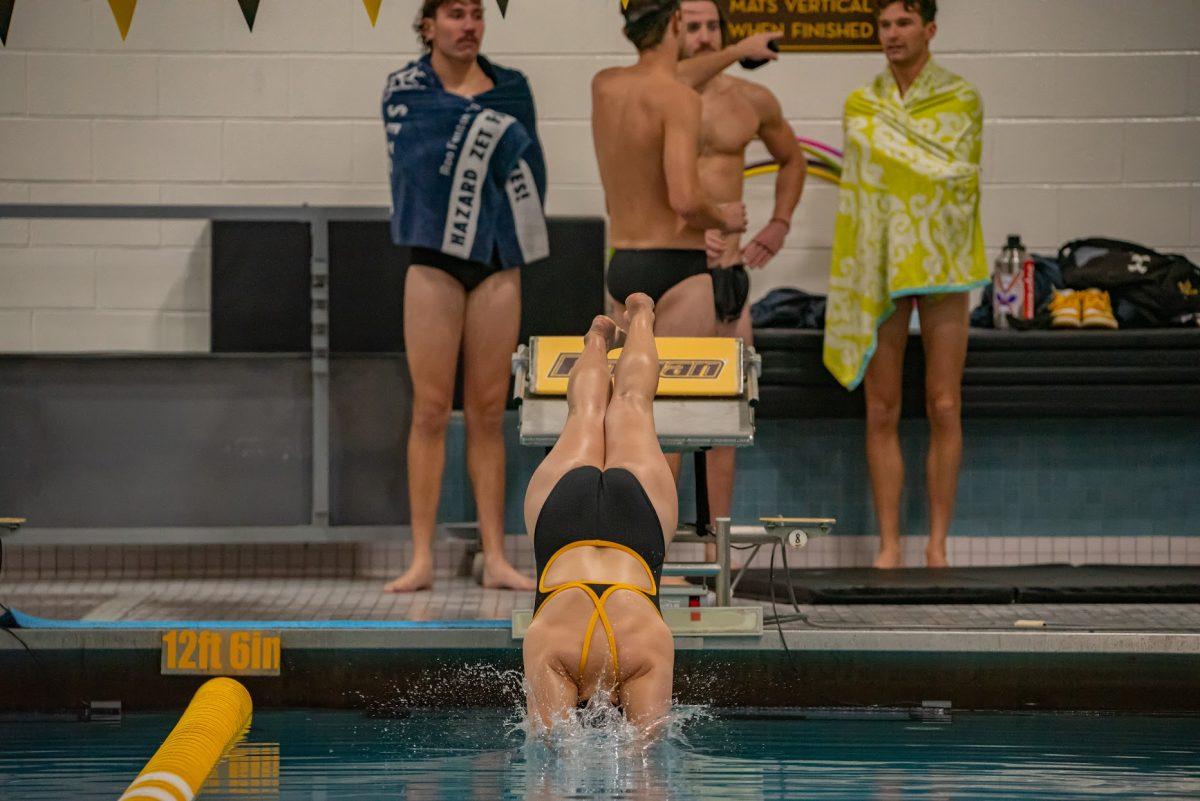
[{"x": 468, "y": 176}]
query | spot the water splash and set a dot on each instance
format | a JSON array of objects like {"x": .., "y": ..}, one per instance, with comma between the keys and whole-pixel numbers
[{"x": 596, "y": 752}]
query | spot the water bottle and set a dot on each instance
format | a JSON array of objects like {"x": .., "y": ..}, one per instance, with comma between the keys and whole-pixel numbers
[
  {"x": 1012, "y": 284},
  {"x": 755, "y": 63}
]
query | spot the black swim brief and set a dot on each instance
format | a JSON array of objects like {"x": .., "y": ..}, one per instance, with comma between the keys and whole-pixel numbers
[
  {"x": 652, "y": 271},
  {"x": 468, "y": 273},
  {"x": 731, "y": 287}
]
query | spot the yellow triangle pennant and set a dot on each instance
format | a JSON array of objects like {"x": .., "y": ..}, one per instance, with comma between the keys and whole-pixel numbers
[
  {"x": 122, "y": 11},
  {"x": 372, "y": 7}
]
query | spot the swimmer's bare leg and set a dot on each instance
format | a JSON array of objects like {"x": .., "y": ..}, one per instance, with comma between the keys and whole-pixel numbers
[
  {"x": 685, "y": 310},
  {"x": 630, "y": 438},
  {"x": 582, "y": 440}
]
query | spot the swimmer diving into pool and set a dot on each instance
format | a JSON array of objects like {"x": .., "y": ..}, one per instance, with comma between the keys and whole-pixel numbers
[{"x": 602, "y": 507}]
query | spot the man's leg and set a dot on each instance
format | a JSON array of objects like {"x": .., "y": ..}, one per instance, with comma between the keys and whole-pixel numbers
[
  {"x": 434, "y": 304},
  {"x": 721, "y": 461},
  {"x": 882, "y": 385},
  {"x": 630, "y": 440},
  {"x": 492, "y": 324},
  {"x": 582, "y": 440},
  {"x": 944, "y": 329}
]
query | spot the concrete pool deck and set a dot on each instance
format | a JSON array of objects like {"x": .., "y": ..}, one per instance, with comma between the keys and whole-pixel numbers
[{"x": 1130, "y": 657}]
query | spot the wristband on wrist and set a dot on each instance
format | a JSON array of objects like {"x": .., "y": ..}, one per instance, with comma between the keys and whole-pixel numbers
[{"x": 786, "y": 223}]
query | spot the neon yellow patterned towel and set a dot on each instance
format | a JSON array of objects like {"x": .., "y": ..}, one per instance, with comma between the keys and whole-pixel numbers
[{"x": 908, "y": 211}]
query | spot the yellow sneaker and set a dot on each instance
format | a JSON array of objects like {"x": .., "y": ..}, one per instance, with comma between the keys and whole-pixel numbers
[
  {"x": 1066, "y": 309},
  {"x": 1097, "y": 309}
]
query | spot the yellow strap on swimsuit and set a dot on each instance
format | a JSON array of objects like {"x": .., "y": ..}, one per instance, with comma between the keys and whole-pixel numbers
[{"x": 598, "y": 601}]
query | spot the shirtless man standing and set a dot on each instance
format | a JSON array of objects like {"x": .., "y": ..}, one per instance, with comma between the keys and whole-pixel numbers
[
  {"x": 646, "y": 127},
  {"x": 735, "y": 112}
]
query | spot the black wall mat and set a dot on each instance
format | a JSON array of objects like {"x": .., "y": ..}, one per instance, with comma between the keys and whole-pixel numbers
[
  {"x": 561, "y": 294},
  {"x": 260, "y": 287},
  {"x": 261, "y": 298},
  {"x": 366, "y": 288},
  {"x": 1021, "y": 584},
  {"x": 1032, "y": 373}
]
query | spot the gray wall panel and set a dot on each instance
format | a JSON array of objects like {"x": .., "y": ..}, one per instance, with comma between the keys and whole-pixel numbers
[
  {"x": 370, "y": 411},
  {"x": 156, "y": 441}
]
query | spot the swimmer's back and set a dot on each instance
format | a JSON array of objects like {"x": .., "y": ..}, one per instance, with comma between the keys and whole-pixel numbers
[{"x": 631, "y": 108}]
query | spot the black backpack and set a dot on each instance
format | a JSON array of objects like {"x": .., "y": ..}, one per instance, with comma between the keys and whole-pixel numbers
[
  {"x": 786, "y": 307},
  {"x": 1148, "y": 288}
]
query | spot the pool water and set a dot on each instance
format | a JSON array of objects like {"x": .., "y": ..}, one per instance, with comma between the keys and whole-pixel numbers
[{"x": 482, "y": 754}]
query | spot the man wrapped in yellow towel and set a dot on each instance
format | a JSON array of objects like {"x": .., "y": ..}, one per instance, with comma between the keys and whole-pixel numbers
[{"x": 907, "y": 231}]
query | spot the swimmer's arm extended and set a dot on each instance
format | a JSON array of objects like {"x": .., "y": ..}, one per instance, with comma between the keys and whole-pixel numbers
[
  {"x": 681, "y": 156},
  {"x": 646, "y": 696},
  {"x": 776, "y": 133},
  {"x": 699, "y": 70},
  {"x": 551, "y": 693}
]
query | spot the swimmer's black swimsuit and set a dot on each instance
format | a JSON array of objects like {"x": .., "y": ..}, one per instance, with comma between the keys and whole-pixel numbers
[
  {"x": 731, "y": 287},
  {"x": 652, "y": 271},
  {"x": 468, "y": 273},
  {"x": 602, "y": 509}
]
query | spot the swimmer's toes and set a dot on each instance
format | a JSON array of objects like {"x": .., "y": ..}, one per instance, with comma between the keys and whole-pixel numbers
[
  {"x": 637, "y": 302},
  {"x": 606, "y": 328}
]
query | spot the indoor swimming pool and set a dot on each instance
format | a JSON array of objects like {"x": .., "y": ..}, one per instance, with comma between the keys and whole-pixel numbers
[{"x": 712, "y": 754}]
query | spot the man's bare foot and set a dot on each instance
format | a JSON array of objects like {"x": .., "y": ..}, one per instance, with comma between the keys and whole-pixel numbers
[
  {"x": 936, "y": 557},
  {"x": 606, "y": 329},
  {"x": 500, "y": 575},
  {"x": 419, "y": 576},
  {"x": 889, "y": 558}
]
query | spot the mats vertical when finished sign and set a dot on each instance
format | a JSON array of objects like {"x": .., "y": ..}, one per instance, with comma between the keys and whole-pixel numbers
[{"x": 806, "y": 24}]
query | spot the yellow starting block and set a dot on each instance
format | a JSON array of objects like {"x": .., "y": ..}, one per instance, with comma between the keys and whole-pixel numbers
[
  {"x": 689, "y": 367},
  {"x": 708, "y": 387},
  {"x": 707, "y": 391}
]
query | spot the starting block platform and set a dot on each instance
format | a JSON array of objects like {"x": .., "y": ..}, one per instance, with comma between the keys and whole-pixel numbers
[
  {"x": 701, "y": 621},
  {"x": 708, "y": 388},
  {"x": 707, "y": 391}
]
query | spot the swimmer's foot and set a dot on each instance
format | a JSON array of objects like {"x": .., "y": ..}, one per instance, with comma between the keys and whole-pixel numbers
[
  {"x": 419, "y": 576},
  {"x": 936, "y": 557},
  {"x": 605, "y": 328},
  {"x": 636, "y": 303},
  {"x": 889, "y": 558},
  {"x": 500, "y": 575}
]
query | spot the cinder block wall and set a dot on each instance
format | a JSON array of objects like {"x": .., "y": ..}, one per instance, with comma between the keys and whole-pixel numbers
[{"x": 1093, "y": 126}]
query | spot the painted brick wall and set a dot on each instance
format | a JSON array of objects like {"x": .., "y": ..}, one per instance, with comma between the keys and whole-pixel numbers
[{"x": 1093, "y": 126}]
